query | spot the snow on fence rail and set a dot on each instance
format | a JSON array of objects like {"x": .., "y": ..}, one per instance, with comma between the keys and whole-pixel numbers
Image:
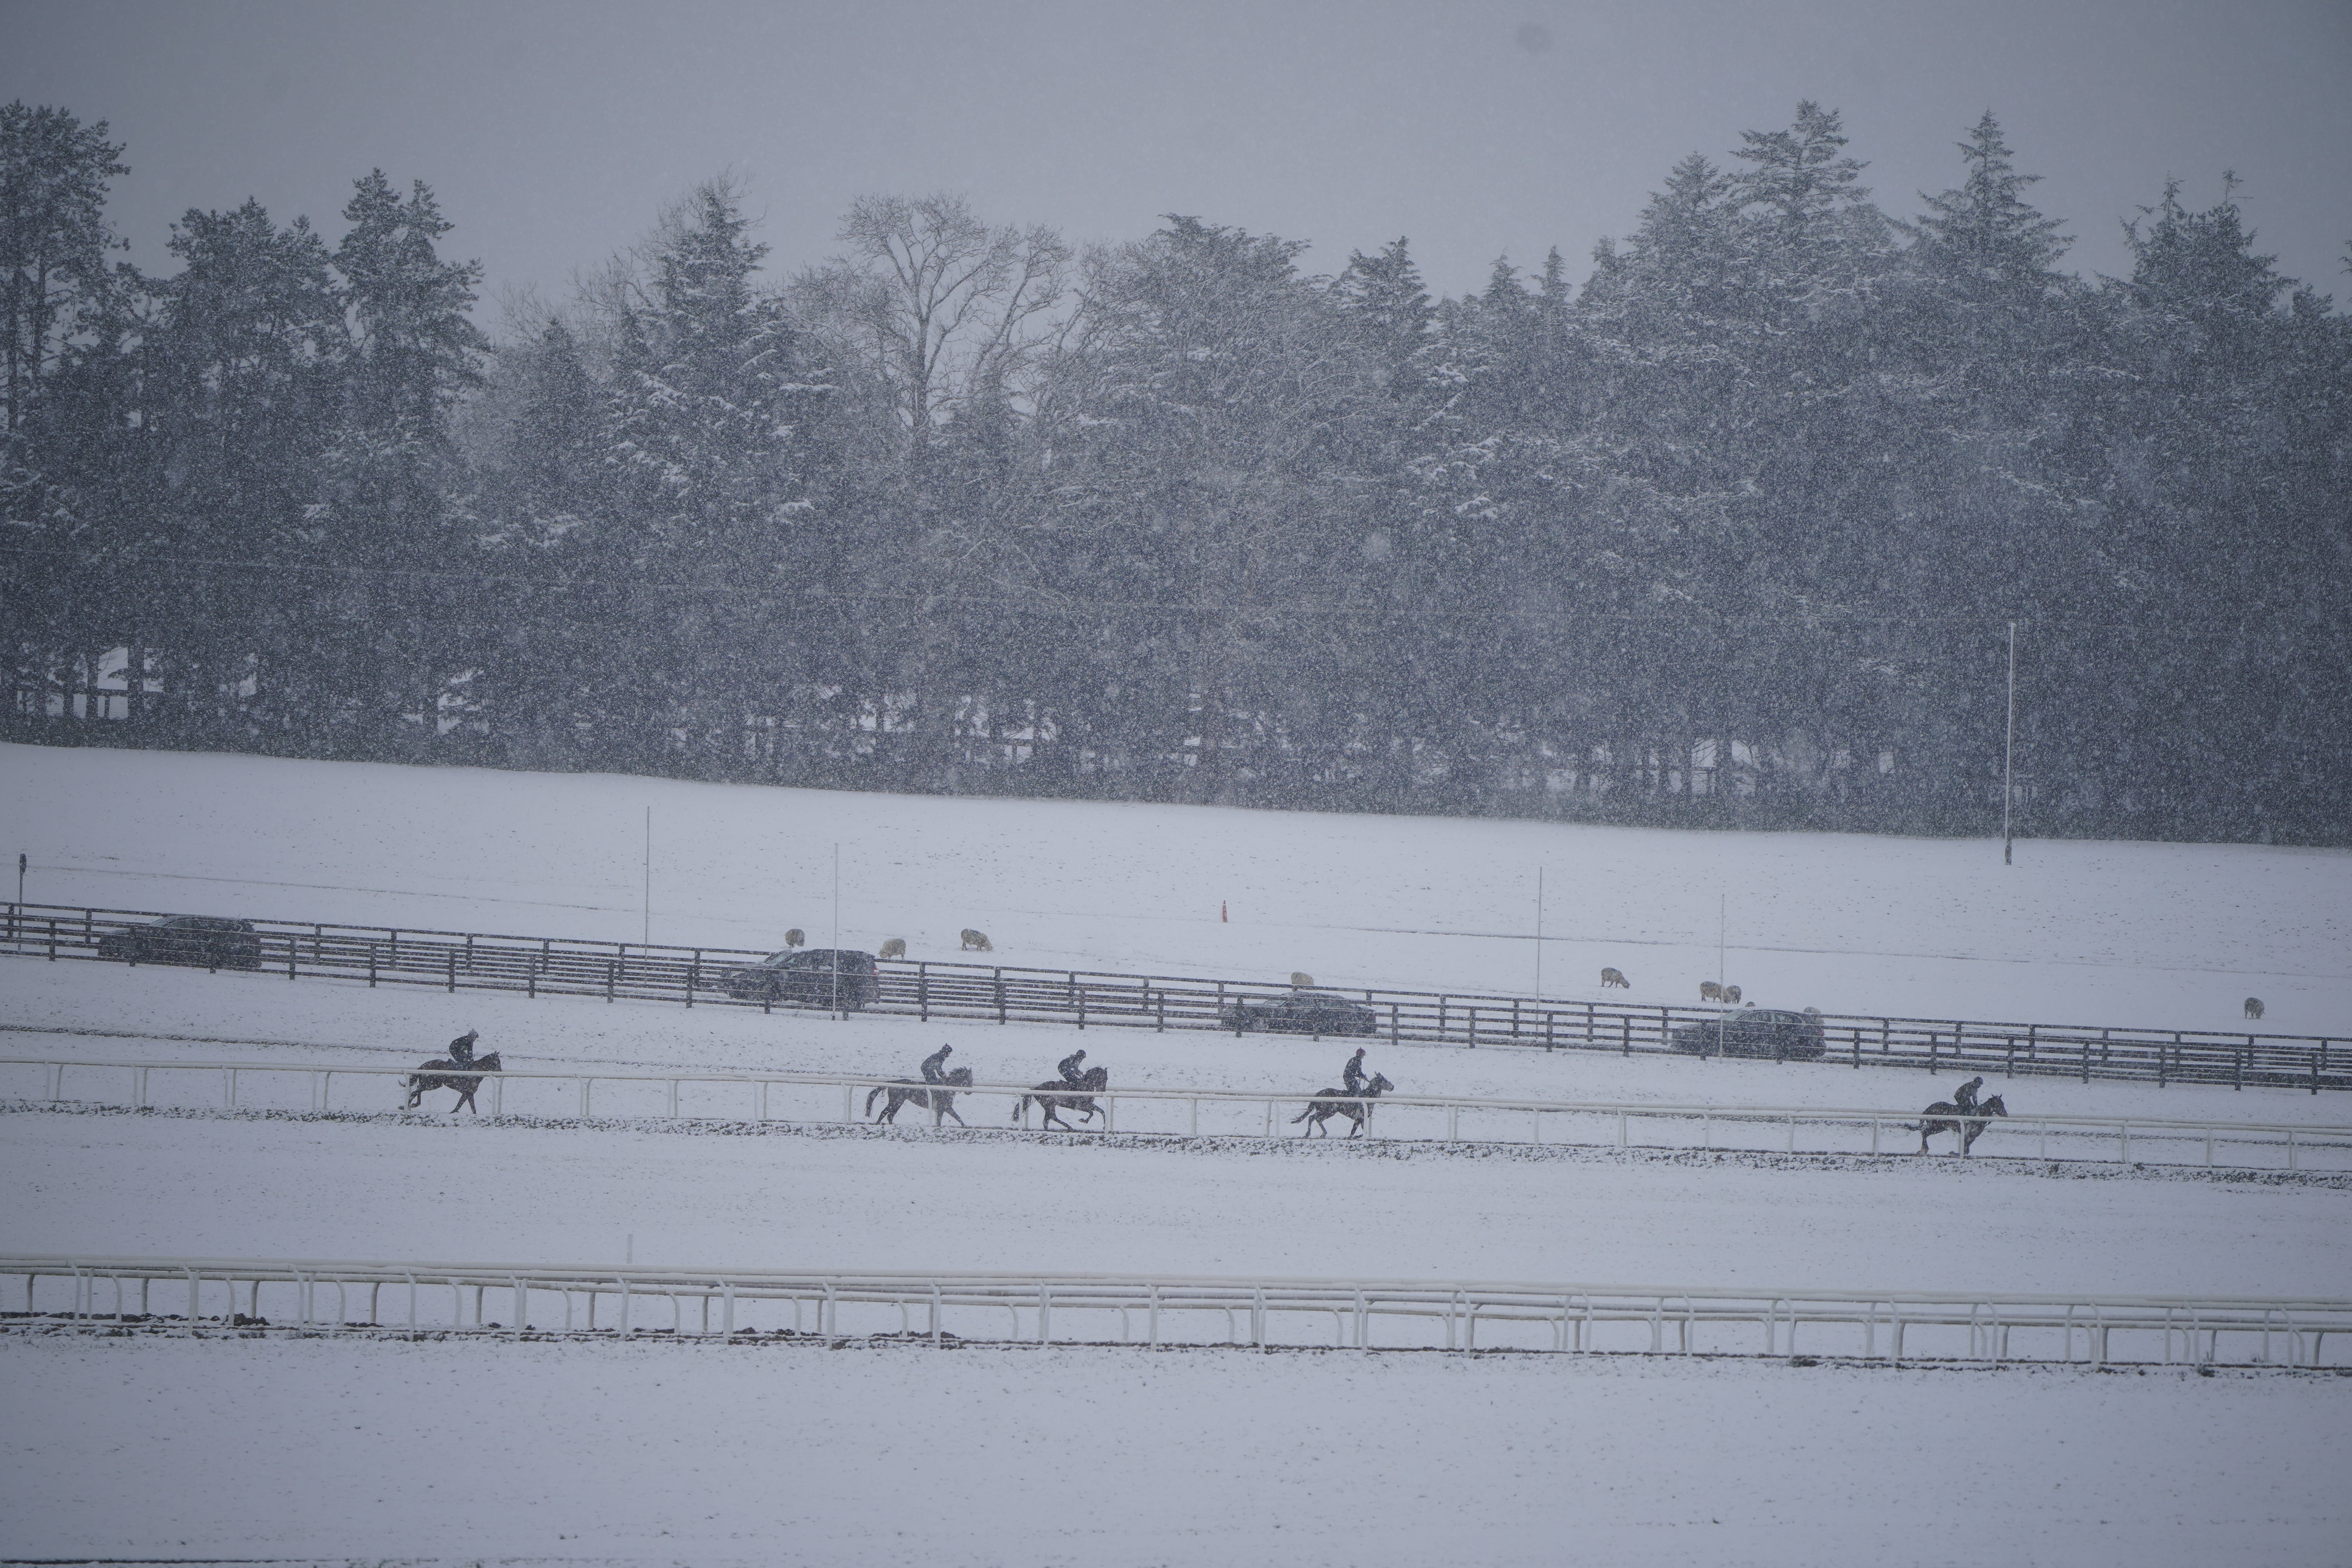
[
  {"x": 196, "y": 1294},
  {"x": 1177, "y": 1113},
  {"x": 1003, "y": 994}
]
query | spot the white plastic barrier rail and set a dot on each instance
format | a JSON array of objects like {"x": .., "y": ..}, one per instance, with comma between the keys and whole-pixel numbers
[
  {"x": 1830, "y": 1131},
  {"x": 197, "y": 1295}
]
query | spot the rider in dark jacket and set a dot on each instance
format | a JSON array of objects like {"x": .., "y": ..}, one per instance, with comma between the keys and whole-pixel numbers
[
  {"x": 1352, "y": 1074},
  {"x": 1965, "y": 1097},
  {"x": 936, "y": 1064},
  {"x": 461, "y": 1049},
  {"x": 1069, "y": 1066}
]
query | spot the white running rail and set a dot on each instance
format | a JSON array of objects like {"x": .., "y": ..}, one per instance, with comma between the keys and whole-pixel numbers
[
  {"x": 202, "y": 1295},
  {"x": 2234, "y": 1145}
]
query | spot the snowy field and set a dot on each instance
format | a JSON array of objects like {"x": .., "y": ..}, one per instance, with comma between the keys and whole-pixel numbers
[
  {"x": 287, "y": 1449},
  {"x": 2169, "y": 936},
  {"x": 1106, "y": 1459}
]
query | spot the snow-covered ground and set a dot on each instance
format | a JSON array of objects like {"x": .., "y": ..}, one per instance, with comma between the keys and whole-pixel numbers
[
  {"x": 134, "y": 1186},
  {"x": 1106, "y": 1459},
  {"x": 152, "y": 1447},
  {"x": 2171, "y": 936}
]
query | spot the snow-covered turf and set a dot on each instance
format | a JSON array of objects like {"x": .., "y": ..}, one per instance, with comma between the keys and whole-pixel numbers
[
  {"x": 133, "y": 1185},
  {"x": 1106, "y": 1458},
  {"x": 147, "y": 1446},
  {"x": 2170, "y": 936}
]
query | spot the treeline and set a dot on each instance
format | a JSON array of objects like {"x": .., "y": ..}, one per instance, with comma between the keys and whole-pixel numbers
[{"x": 1732, "y": 532}]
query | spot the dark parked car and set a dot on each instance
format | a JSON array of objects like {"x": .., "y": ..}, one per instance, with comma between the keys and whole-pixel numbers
[
  {"x": 1302, "y": 1013},
  {"x": 1754, "y": 1031},
  {"x": 206, "y": 942},
  {"x": 807, "y": 976}
]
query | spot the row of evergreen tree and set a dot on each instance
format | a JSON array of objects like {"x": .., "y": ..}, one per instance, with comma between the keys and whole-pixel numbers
[{"x": 1735, "y": 532}]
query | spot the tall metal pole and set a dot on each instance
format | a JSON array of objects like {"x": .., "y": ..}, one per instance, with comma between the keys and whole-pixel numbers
[
  {"x": 648, "y": 932},
  {"x": 836, "y": 931},
  {"x": 1539, "y": 933},
  {"x": 2009, "y": 750}
]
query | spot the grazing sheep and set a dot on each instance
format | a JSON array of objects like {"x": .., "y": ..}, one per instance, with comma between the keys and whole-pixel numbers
[
  {"x": 976, "y": 941},
  {"x": 1708, "y": 991},
  {"x": 1615, "y": 977},
  {"x": 1301, "y": 981},
  {"x": 894, "y": 948},
  {"x": 794, "y": 937},
  {"x": 1731, "y": 993},
  {"x": 2254, "y": 1006}
]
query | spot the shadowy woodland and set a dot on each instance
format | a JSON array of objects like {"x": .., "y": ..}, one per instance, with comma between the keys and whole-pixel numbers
[{"x": 1731, "y": 532}]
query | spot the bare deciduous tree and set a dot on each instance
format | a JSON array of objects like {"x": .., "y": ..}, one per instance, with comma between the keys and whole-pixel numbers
[{"x": 933, "y": 308}]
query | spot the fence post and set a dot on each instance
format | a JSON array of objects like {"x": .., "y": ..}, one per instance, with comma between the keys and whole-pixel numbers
[
  {"x": 693, "y": 974},
  {"x": 53, "y": 939},
  {"x": 1160, "y": 1011},
  {"x": 923, "y": 990},
  {"x": 453, "y": 970},
  {"x": 1626, "y": 1046},
  {"x": 612, "y": 969},
  {"x": 1473, "y": 1028},
  {"x": 1082, "y": 1003},
  {"x": 1000, "y": 996},
  {"x": 290, "y": 946},
  {"x": 371, "y": 964},
  {"x": 1392, "y": 1023}
]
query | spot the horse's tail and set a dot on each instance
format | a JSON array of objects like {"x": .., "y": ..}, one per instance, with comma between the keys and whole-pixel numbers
[
  {"x": 1304, "y": 1114},
  {"x": 1021, "y": 1111},
  {"x": 873, "y": 1094}
]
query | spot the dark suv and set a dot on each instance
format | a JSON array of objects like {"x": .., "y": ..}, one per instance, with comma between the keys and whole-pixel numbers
[
  {"x": 1301, "y": 1013},
  {"x": 810, "y": 977},
  {"x": 1754, "y": 1031},
  {"x": 206, "y": 942}
]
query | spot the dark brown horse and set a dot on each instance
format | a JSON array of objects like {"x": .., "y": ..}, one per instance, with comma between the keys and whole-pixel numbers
[
  {"x": 1330, "y": 1103},
  {"x": 441, "y": 1073},
  {"x": 1945, "y": 1117},
  {"x": 907, "y": 1091},
  {"x": 1055, "y": 1097}
]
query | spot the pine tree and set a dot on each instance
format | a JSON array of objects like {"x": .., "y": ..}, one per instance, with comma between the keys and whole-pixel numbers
[
  {"x": 415, "y": 347},
  {"x": 54, "y": 244},
  {"x": 1984, "y": 235}
]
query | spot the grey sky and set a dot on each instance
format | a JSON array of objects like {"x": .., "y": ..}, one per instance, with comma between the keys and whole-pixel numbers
[{"x": 553, "y": 133}]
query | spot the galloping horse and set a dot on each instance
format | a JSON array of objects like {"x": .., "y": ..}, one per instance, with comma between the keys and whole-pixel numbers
[
  {"x": 1945, "y": 1117},
  {"x": 1356, "y": 1108},
  {"x": 907, "y": 1091},
  {"x": 1055, "y": 1097},
  {"x": 440, "y": 1073}
]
